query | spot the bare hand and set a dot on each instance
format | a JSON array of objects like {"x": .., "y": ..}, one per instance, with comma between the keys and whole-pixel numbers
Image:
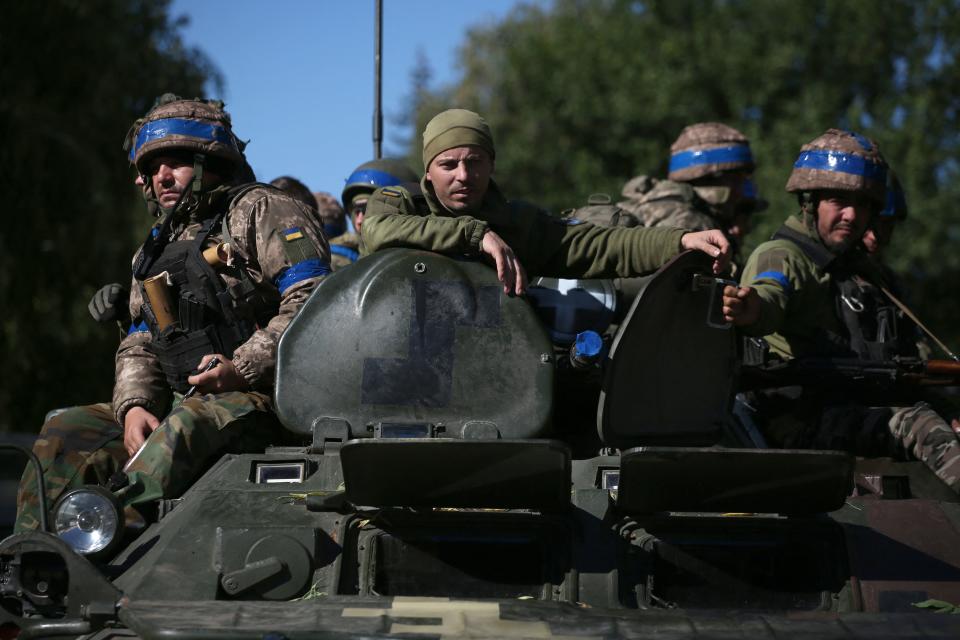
[
  {"x": 741, "y": 305},
  {"x": 138, "y": 424},
  {"x": 509, "y": 270},
  {"x": 222, "y": 378},
  {"x": 713, "y": 243}
]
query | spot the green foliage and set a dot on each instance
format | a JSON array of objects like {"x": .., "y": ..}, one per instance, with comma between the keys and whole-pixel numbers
[
  {"x": 75, "y": 75},
  {"x": 584, "y": 94}
]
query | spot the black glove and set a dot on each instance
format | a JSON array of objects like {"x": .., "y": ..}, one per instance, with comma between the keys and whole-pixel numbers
[{"x": 111, "y": 302}]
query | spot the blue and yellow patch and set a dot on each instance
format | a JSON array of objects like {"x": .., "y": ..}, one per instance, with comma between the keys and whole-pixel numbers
[
  {"x": 393, "y": 193},
  {"x": 293, "y": 233}
]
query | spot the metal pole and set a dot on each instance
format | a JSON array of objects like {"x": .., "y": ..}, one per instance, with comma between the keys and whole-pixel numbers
[{"x": 377, "y": 78}]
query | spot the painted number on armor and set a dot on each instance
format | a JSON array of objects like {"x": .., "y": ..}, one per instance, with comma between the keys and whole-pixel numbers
[{"x": 425, "y": 377}]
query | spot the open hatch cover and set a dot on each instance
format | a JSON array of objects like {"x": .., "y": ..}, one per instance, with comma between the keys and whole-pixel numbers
[
  {"x": 787, "y": 481},
  {"x": 498, "y": 474},
  {"x": 672, "y": 367}
]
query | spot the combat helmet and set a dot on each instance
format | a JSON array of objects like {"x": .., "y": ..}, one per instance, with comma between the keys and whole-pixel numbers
[
  {"x": 707, "y": 148},
  {"x": 194, "y": 125},
  {"x": 896, "y": 201},
  {"x": 843, "y": 161},
  {"x": 368, "y": 177}
]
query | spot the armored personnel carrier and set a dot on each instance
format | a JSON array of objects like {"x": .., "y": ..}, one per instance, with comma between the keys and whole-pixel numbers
[{"x": 446, "y": 489}]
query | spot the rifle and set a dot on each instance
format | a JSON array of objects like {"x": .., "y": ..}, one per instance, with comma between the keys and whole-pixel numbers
[{"x": 872, "y": 375}]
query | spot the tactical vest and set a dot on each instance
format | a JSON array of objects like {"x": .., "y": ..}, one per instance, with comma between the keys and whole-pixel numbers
[
  {"x": 869, "y": 319},
  {"x": 208, "y": 317}
]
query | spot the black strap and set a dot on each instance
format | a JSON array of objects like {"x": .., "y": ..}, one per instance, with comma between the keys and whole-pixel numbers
[{"x": 820, "y": 255}]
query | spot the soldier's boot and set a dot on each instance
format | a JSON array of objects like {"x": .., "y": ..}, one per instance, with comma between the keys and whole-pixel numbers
[
  {"x": 929, "y": 438},
  {"x": 195, "y": 434},
  {"x": 82, "y": 445}
]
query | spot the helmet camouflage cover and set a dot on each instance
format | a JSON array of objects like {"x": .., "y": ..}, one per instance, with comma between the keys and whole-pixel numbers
[
  {"x": 707, "y": 148},
  {"x": 840, "y": 160},
  {"x": 199, "y": 126}
]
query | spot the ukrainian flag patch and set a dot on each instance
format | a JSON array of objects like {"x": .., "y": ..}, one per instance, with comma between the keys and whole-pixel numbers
[
  {"x": 393, "y": 193},
  {"x": 293, "y": 233}
]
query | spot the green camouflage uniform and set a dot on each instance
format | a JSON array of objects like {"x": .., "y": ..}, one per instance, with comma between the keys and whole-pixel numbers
[
  {"x": 85, "y": 444},
  {"x": 798, "y": 314},
  {"x": 545, "y": 245}
]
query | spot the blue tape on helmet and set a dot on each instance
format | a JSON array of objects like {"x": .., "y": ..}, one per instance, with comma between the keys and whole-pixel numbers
[
  {"x": 721, "y": 155},
  {"x": 824, "y": 160},
  {"x": 374, "y": 177},
  {"x": 159, "y": 129}
]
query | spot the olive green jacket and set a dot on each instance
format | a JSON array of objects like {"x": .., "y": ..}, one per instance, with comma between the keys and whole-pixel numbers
[
  {"x": 545, "y": 245},
  {"x": 797, "y": 297}
]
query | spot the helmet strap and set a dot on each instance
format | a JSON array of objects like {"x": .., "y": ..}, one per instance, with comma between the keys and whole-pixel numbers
[{"x": 198, "y": 161}]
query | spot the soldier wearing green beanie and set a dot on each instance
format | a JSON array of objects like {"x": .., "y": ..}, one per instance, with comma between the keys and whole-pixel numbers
[{"x": 458, "y": 209}]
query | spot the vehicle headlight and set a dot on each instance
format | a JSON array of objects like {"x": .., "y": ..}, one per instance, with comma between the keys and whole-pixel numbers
[{"x": 88, "y": 519}]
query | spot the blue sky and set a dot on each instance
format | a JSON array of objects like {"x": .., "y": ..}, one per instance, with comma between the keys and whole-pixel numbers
[{"x": 299, "y": 73}]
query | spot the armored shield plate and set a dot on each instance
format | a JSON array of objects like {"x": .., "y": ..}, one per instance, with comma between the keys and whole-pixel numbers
[
  {"x": 531, "y": 474},
  {"x": 785, "y": 481},
  {"x": 420, "y": 342},
  {"x": 670, "y": 377}
]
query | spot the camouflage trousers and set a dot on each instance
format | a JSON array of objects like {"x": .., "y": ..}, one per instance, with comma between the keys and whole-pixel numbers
[
  {"x": 917, "y": 432},
  {"x": 84, "y": 445}
]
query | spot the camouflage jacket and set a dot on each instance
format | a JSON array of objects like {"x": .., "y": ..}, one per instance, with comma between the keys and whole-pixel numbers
[
  {"x": 344, "y": 250},
  {"x": 546, "y": 245},
  {"x": 664, "y": 203},
  {"x": 257, "y": 222},
  {"x": 798, "y": 297}
]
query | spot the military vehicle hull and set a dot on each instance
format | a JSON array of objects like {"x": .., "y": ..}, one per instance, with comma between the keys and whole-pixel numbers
[{"x": 420, "y": 511}]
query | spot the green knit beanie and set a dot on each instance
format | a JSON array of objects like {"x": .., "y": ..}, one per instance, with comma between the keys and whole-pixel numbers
[{"x": 455, "y": 128}]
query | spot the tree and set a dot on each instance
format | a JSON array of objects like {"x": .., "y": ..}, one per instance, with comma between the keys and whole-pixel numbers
[
  {"x": 75, "y": 75},
  {"x": 584, "y": 94}
]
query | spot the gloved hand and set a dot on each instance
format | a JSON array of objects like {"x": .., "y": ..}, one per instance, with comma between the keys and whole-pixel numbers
[{"x": 111, "y": 302}]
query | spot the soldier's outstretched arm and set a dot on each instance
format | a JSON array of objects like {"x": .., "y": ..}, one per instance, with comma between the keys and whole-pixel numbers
[{"x": 711, "y": 242}]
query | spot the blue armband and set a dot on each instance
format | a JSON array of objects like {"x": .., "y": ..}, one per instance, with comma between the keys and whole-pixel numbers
[
  {"x": 778, "y": 277},
  {"x": 312, "y": 268}
]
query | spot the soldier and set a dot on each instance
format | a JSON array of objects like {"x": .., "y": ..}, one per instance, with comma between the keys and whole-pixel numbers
[
  {"x": 812, "y": 292},
  {"x": 709, "y": 165},
  {"x": 365, "y": 179},
  {"x": 457, "y": 208},
  {"x": 205, "y": 310}
]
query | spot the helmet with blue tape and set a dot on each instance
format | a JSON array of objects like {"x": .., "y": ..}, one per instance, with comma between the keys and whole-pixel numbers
[
  {"x": 370, "y": 176},
  {"x": 707, "y": 148},
  {"x": 843, "y": 161},
  {"x": 175, "y": 124}
]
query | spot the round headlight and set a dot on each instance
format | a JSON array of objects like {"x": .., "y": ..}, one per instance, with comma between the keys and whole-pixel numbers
[{"x": 88, "y": 519}]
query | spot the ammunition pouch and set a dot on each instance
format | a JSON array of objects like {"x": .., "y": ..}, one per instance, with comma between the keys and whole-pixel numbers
[{"x": 207, "y": 318}]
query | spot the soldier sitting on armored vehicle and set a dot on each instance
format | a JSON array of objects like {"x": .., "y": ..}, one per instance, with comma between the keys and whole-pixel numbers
[
  {"x": 458, "y": 209},
  {"x": 203, "y": 322},
  {"x": 816, "y": 297},
  {"x": 707, "y": 187}
]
